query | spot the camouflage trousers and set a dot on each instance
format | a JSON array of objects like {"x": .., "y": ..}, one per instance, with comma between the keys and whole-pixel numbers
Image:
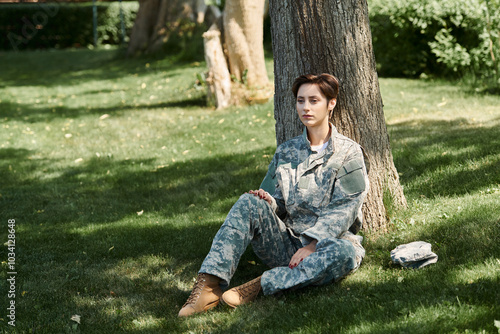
[{"x": 251, "y": 220}]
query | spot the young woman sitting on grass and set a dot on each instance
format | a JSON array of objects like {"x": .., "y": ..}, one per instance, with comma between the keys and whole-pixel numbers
[{"x": 299, "y": 223}]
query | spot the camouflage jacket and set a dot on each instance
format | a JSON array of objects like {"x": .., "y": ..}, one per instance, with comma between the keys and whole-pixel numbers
[{"x": 318, "y": 195}]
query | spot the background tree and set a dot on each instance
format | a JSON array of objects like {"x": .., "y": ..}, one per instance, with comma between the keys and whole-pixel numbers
[
  {"x": 218, "y": 78},
  {"x": 156, "y": 19},
  {"x": 316, "y": 36},
  {"x": 242, "y": 38},
  {"x": 238, "y": 32}
]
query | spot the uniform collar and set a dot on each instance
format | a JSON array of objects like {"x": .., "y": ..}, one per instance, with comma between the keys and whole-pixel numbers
[{"x": 329, "y": 148}]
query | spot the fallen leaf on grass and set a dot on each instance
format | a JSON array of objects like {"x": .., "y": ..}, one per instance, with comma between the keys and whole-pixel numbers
[
  {"x": 76, "y": 318},
  {"x": 104, "y": 116}
]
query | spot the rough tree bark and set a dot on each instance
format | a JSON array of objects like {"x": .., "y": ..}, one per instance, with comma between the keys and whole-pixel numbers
[{"x": 316, "y": 36}]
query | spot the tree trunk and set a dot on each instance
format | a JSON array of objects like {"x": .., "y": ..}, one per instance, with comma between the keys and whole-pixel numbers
[
  {"x": 200, "y": 10},
  {"x": 218, "y": 78},
  {"x": 156, "y": 19},
  {"x": 143, "y": 26},
  {"x": 316, "y": 36},
  {"x": 244, "y": 37},
  {"x": 243, "y": 40}
]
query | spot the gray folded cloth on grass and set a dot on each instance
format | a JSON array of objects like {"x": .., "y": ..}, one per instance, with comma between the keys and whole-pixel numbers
[{"x": 414, "y": 255}]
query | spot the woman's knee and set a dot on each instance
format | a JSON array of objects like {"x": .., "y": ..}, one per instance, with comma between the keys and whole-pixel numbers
[
  {"x": 240, "y": 214},
  {"x": 249, "y": 202},
  {"x": 243, "y": 203},
  {"x": 250, "y": 198}
]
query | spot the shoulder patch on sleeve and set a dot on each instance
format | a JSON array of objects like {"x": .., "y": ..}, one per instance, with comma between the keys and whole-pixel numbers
[
  {"x": 352, "y": 178},
  {"x": 349, "y": 167}
]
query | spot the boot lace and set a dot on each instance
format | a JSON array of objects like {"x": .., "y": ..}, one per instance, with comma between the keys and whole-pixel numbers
[
  {"x": 249, "y": 288},
  {"x": 197, "y": 288}
]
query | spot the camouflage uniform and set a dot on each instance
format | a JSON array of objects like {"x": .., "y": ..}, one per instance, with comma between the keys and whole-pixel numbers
[{"x": 315, "y": 196}]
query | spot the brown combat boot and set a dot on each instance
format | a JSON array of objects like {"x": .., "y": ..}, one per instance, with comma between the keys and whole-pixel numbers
[
  {"x": 242, "y": 294},
  {"x": 205, "y": 295}
]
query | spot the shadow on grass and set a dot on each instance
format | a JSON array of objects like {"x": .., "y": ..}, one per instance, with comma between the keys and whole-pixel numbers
[
  {"x": 83, "y": 249},
  {"x": 469, "y": 237},
  {"x": 78, "y": 227},
  {"x": 71, "y": 67},
  {"x": 33, "y": 114},
  {"x": 435, "y": 299},
  {"x": 417, "y": 308},
  {"x": 103, "y": 190},
  {"x": 76, "y": 67},
  {"x": 444, "y": 158}
]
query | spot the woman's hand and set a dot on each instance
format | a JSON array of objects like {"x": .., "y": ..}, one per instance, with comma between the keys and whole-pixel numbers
[
  {"x": 302, "y": 253},
  {"x": 262, "y": 194}
]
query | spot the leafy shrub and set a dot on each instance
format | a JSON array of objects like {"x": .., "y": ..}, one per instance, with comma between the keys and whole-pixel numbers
[
  {"x": 436, "y": 37},
  {"x": 55, "y": 25},
  {"x": 109, "y": 29}
]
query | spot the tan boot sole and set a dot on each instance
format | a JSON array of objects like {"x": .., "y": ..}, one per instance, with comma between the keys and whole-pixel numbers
[{"x": 211, "y": 305}]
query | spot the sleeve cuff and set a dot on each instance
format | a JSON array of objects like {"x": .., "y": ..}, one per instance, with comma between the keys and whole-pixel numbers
[
  {"x": 274, "y": 206},
  {"x": 307, "y": 237}
]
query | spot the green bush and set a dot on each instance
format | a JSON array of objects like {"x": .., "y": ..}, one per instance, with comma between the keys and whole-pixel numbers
[
  {"x": 109, "y": 32},
  {"x": 436, "y": 37},
  {"x": 55, "y": 25}
]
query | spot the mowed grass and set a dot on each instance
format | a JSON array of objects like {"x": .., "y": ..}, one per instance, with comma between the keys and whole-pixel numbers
[{"x": 118, "y": 177}]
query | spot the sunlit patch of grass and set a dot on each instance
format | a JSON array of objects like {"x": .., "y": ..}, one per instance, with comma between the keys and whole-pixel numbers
[{"x": 476, "y": 272}]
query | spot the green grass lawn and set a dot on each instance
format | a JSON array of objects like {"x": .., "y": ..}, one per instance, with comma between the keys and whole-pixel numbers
[{"x": 118, "y": 177}]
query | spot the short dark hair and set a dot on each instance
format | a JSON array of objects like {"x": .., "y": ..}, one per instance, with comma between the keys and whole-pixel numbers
[{"x": 327, "y": 83}]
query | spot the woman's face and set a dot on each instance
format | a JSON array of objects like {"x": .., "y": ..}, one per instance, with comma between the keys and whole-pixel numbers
[{"x": 312, "y": 106}]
